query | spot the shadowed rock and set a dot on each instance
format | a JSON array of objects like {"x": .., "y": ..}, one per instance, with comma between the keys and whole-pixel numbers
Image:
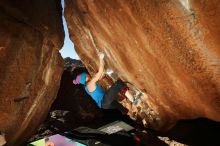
[{"x": 31, "y": 34}]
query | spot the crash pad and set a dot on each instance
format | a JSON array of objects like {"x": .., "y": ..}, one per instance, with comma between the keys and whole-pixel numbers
[{"x": 57, "y": 140}]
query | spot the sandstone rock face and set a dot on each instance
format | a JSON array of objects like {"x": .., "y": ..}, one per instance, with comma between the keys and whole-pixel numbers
[
  {"x": 170, "y": 50},
  {"x": 31, "y": 34}
]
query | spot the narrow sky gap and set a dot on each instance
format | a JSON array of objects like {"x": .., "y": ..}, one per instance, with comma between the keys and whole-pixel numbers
[{"x": 68, "y": 47}]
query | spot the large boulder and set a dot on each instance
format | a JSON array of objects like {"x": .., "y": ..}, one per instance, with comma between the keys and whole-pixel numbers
[
  {"x": 31, "y": 34},
  {"x": 169, "y": 50}
]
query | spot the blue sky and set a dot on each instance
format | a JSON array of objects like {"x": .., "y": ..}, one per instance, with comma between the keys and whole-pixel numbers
[{"x": 68, "y": 47}]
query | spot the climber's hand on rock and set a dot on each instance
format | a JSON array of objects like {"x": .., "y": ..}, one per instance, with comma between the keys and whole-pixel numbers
[
  {"x": 101, "y": 55},
  {"x": 2, "y": 139}
]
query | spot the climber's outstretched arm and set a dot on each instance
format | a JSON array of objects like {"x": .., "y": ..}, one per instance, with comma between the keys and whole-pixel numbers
[
  {"x": 92, "y": 83},
  {"x": 100, "y": 72},
  {"x": 2, "y": 139}
]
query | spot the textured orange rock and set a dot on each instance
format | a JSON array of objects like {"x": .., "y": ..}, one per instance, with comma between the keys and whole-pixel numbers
[
  {"x": 31, "y": 35},
  {"x": 170, "y": 50}
]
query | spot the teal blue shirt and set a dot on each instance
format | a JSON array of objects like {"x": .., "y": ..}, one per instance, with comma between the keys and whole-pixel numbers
[{"x": 97, "y": 94}]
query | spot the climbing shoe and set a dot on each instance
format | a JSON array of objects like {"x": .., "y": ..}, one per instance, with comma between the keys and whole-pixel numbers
[{"x": 138, "y": 97}]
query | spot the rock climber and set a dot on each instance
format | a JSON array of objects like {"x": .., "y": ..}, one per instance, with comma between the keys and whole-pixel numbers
[{"x": 109, "y": 99}]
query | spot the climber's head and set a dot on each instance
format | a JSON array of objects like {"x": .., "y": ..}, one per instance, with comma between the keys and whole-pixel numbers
[{"x": 81, "y": 78}]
